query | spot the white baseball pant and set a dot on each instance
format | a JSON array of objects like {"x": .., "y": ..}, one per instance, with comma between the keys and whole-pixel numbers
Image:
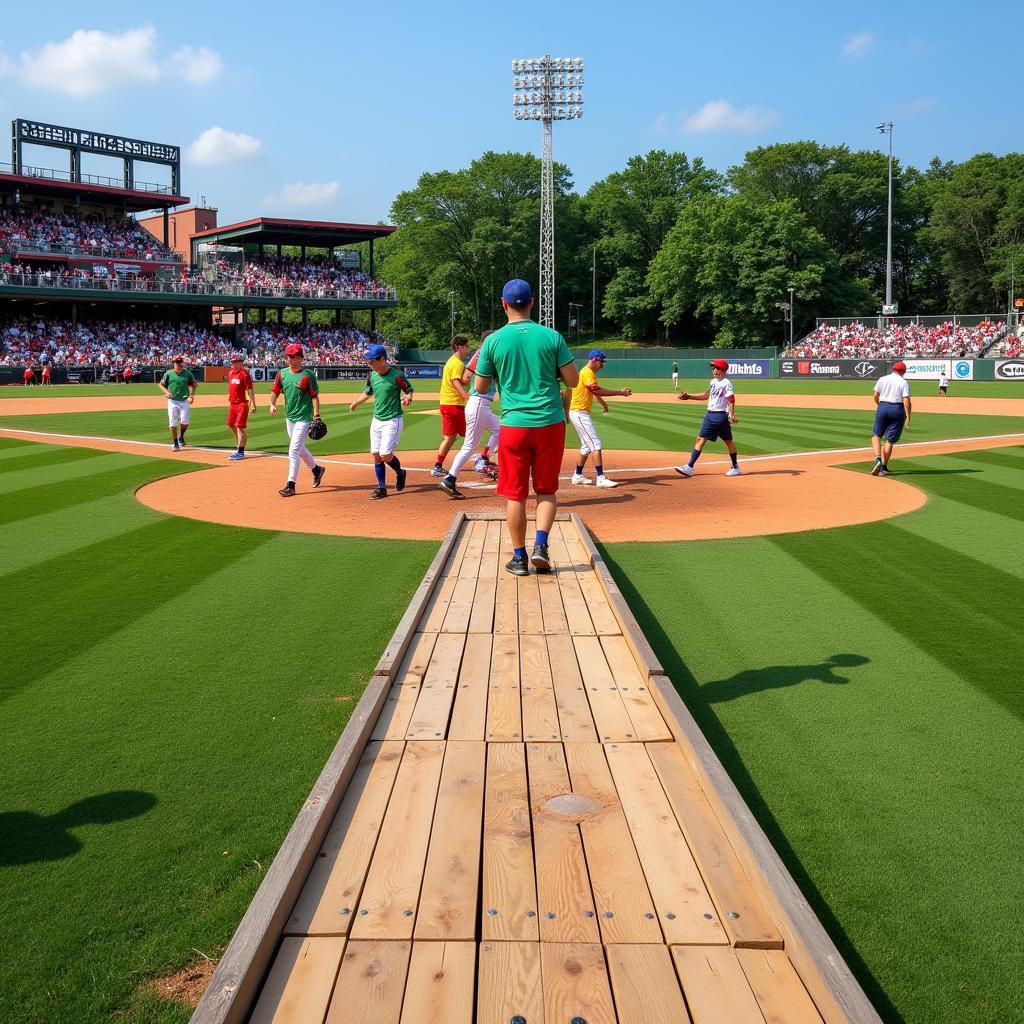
[
  {"x": 384, "y": 435},
  {"x": 178, "y": 412},
  {"x": 589, "y": 441},
  {"x": 297, "y": 450},
  {"x": 479, "y": 420}
]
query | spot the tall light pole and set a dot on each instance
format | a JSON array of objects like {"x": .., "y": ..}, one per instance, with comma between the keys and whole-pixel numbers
[
  {"x": 547, "y": 89},
  {"x": 451, "y": 296},
  {"x": 790, "y": 318},
  {"x": 885, "y": 128}
]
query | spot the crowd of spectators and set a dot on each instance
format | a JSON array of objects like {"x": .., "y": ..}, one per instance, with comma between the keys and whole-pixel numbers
[
  {"x": 309, "y": 277},
  {"x": 116, "y": 344},
  {"x": 859, "y": 340},
  {"x": 113, "y": 237}
]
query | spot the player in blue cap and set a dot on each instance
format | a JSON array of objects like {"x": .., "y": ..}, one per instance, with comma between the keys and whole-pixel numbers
[{"x": 583, "y": 396}]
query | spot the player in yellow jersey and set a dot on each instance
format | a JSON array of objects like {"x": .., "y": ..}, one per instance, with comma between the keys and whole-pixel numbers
[
  {"x": 583, "y": 396},
  {"x": 453, "y": 401}
]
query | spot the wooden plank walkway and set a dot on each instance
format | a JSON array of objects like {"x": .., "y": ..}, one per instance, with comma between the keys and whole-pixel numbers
[{"x": 523, "y": 834}]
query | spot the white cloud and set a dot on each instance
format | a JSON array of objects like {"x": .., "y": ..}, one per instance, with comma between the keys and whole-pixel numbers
[
  {"x": 197, "y": 65},
  {"x": 302, "y": 193},
  {"x": 916, "y": 106},
  {"x": 857, "y": 45},
  {"x": 722, "y": 116},
  {"x": 660, "y": 126},
  {"x": 89, "y": 61},
  {"x": 218, "y": 146}
]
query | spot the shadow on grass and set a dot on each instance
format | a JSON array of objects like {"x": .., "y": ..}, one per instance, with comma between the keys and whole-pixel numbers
[
  {"x": 930, "y": 472},
  {"x": 776, "y": 677},
  {"x": 700, "y": 700},
  {"x": 29, "y": 837}
]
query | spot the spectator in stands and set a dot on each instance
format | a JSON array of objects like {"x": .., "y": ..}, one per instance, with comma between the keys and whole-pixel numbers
[{"x": 856, "y": 340}]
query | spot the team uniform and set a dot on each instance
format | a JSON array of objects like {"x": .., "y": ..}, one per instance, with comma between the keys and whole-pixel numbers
[
  {"x": 479, "y": 420},
  {"x": 386, "y": 425},
  {"x": 239, "y": 383},
  {"x": 891, "y": 415},
  {"x": 675, "y": 376},
  {"x": 179, "y": 412},
  {"x": 453, "y": 405},
  {"x": 28, "y": 376},
  {"x": 716, "y": 421},
  {"x": 46, "y": 374},
  {"x": 943, "y": 384},
  {"x": 299, "y": 389},
  {"x": 579, "y": 411}
]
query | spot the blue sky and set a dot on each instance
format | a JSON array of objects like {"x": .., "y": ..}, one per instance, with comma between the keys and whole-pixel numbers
[{"x": 328, "y": 110}]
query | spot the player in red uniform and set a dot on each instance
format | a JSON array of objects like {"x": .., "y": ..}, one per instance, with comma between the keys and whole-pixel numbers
[
  {"x": 46, "y": 381},
  {"x": 28, "y": 377},
  {"x": 241, "y": 398}
]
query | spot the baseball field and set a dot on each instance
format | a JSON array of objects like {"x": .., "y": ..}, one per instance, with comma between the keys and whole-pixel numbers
[{"x": 183, "y": 648}]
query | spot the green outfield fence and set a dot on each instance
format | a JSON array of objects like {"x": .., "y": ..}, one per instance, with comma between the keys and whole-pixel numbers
[{"x": 617, "y": 355}]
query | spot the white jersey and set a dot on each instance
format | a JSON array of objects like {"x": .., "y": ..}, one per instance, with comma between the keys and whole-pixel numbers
[
  {"x": 943, "y": 381},
  {"x": 892, "y": 388},
  {"x": 719, "y": 393}
]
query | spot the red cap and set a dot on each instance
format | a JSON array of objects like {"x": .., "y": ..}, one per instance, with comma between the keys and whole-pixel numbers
[
  {"x": 899, "y": 367},
  {"x": 720, "y": 364},
  {"x": 294, "y": 349}
]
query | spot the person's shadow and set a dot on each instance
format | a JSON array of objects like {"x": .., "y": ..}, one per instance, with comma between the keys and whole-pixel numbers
[
  {"x": 27, "y": 837},
  {"x": 775, "y": 677}
]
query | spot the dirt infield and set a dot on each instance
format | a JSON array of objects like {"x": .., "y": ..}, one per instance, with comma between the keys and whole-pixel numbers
[{"x": 776, "y": 493}]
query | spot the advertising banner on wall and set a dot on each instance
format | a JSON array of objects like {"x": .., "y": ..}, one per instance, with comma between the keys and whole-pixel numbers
[
  {"x": 963, "y": 369},
  {"x": 1010, "y": 369},
  {"x": 748, "y": 368},
  {"x": 836, "y": 369},
  {"x": 927, "y": 369},
  {"x": 423, "y": 371}
]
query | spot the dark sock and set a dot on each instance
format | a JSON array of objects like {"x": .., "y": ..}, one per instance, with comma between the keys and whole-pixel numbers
[
  {"x": 395, "y": 464},
  {"x": 579, "y": 468},
  {"x": 182, "y": 434},
  {"x": 519, "y": 553},
  {"x": 242, "y": 449},
  {"x": 732, "y": 455},
  {"x": 600, "y": 469},
  {"x": 694, "y": 456},
  {"x": 378, "y": 468},
  {"x": 438, "y": 465},
  {"x": 542, "y": 537}
]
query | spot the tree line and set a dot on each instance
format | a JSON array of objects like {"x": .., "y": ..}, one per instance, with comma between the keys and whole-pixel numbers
[{"x": 687, "y": 255}]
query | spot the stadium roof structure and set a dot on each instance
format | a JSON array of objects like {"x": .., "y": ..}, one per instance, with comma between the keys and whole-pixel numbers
[
  {"x": 282, "y": 231},
  {"x": 56, "y": 187}
]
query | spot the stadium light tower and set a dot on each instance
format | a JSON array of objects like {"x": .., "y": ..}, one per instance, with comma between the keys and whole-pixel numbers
[
  {"x": 547, "y": 89},
  {"x": 885, "y": 128}
]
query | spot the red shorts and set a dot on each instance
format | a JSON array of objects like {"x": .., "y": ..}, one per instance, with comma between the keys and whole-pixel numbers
[
  {"x": 530, "y": 449},
  {"x": 238, "y": 414},
  {"x": 453, "y": 420}
]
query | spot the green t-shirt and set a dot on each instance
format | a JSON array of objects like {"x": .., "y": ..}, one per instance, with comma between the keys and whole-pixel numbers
[
  {"x": 178, "y": 383},
  {"x": 387, "y": 389},
  {"x": 299, "y": 389},
  {"x": 524, "y": 359}
]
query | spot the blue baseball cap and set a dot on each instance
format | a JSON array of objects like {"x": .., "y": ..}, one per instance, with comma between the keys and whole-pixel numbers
[
  {"x": 596, "y": 353},
  {"x": 376, "y": 352},
  {"x": 516, "y": 292}
]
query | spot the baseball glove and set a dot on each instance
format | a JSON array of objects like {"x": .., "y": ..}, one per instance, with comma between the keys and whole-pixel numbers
[{"x": 317, "y": 429}]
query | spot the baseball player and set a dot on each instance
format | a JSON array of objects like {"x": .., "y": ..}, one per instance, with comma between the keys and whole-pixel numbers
[
  {"x": 46, "y": 380},
  {"x": 943, "y": 383},
  {"x": 718, "y": 421},
  {"x": 391, "y": 392},
  {"x": 892, "y": 414},
  {"x": 480, "y": 419},
  {"x": 301, "y": 407},
  {"x": 583, "y": 396},
  {"x": 28, "y": 378},
  {"x": 675, "y": 375},
  {"x": 241, "y": 399},
  {"x": 453, "y": 401},
  {"x": 179, "y": 385}
]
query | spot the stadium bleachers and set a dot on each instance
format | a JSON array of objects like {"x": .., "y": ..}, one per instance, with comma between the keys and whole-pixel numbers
[{"x": 859, "y": 340}]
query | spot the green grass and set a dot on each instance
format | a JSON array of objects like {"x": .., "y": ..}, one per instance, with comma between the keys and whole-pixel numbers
[
  {"x": 862, "y": 687},
  {"x": 170, "y": 691}
]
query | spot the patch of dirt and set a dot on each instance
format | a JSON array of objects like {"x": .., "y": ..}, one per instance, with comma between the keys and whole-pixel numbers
[{"x": 187, "y": 985}]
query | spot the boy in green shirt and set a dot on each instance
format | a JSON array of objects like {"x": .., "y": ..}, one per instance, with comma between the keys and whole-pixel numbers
[
  {"x": 301, "y": 406},
  {"x": 179, "y": 385},
  {"x": 391, "y": 392}
]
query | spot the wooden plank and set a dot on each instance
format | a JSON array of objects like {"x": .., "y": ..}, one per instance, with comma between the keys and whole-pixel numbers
[
  {"x": 579, "y": 557},
  {"x": 531, "y": 615},
  {"x": 715, "y": 986},
  {"x": 451, "y": 880},
  {"x": 506, "y": 604},
  {"x": 387, "y": 907},
  {"x": 573, "y": 601},
  {"x": 470, "y": 566},
  {"x": 298, "y": 988},
  {"x": 643, "y": 712},
  {"x": 575, "y": 983},
  {"x": 504, "y": 713},
  {"x": 434, "y": 703},
  {"x": 509, "y": 891},
  {"x": 610, "y": 716},
  {"x": 777, "y": 987},
  {"x": 574, "y": 717},
  {"x": 489, "y": 566},
  {"x": 393, "y": 722},
  {"x": 460, "y": 607},
  {"x": 371, "y": 983},
  {"x": 437, "y": 609},
  {"x": 551, "y": 604},
  {"x": 441, "y": 983},
  {"x": 459, "y": 548},
  {"x": 540, "y": 714},
  {"x": 481, "y": 620},
  {"x": 605, "y": 623},
  {"x": 645, "y": 985},
  {"x": 469, "y": 716},
  {"x": 741, "y": 910},
  {"x": 685, "y": 909},
  {"x": 564, "y": 899},
  {"x": 625, "y": 911},
  {"x": 509, "y": 983},
  {"x": 328, "y": 900}
]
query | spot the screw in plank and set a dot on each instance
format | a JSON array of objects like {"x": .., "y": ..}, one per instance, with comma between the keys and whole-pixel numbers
[
  {"x": 550, "y": 916},
  {"x": 363, "y": 913},
  {"x": 671, "y": 916},
  {"x": 608, "y": 914},
  {"x": 578, "y": 1020},
  {"x": 406, "y": 913},
  {"x": 531, "y": 913},
  {"x": 732, "y": 914},
  {"x": 517, "y": 1019},
  {"x": 491, "y": 912},
  {"x": 649, "y": 916},
  {"x": 707, "y": 917},
  {"x": 345, "y": 911},
  {"x": 588, "y": 913}
]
